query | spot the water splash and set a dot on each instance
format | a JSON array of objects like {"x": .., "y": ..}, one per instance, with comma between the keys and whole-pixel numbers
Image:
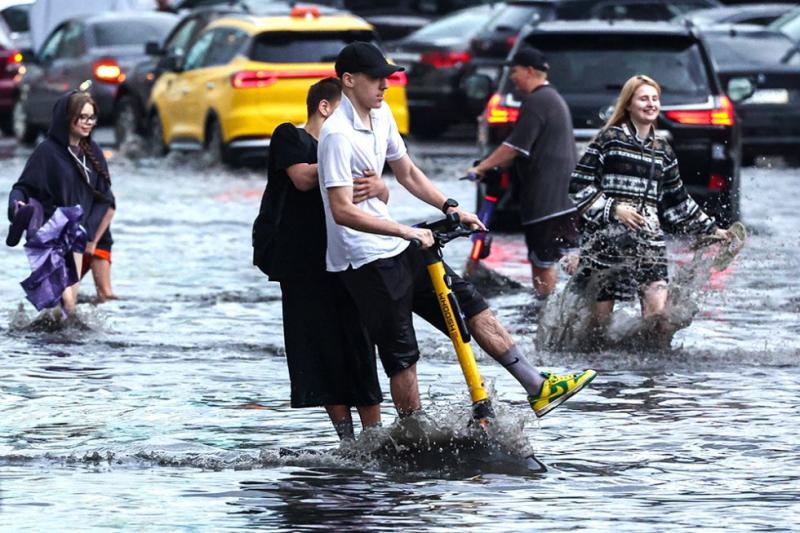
[{"x": 566, "y": 321}]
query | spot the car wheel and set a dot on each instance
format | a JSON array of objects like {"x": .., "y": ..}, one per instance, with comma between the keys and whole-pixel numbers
[
  {"x": 124, "y": 120},
  {"x": 157, "y": 145},
  {"x": 215, "y": 144},
  {"x": 24, "y": 131}
]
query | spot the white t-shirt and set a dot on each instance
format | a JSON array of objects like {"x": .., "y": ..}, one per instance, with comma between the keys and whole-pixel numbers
[{"x": 346, "y": 149}]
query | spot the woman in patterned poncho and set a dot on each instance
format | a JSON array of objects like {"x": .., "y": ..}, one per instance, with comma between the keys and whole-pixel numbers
[{"x": 628, "y": 190}]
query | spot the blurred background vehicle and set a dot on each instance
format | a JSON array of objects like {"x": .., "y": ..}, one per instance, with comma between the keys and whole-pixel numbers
[
  {"x": 10, "y": 73},
  {"x": 590, "y": 61},
  {"x": 130, "y": 104},
  {"x": 392, "y": 19},
  {"x": 789, "y": 24},
  {"x": 245, "y": 75},
  {"x": 770, "y": 118},
  {"x": 436, "y": 59},
  {"x": 101, "y": 48},
  {"x": 760, "y": 14},
  {"x": 14, "y": 14},
  {"x": 494, "y": 41}
]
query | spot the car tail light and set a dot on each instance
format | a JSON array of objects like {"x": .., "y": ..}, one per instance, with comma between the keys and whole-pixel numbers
[
  {"x": 108, "y": 71},
  {"x": 511, "y": 41},
  {"x": 497, "y": 113},
  {"x": 444, "y": 59},
  {"x": 717, "y": 183},
  {"x": 253, "y": 79},
  {"x": 13, "y": 61},
  {"x": 721, "y": 115},
  {"x": 398, "y": 79}
]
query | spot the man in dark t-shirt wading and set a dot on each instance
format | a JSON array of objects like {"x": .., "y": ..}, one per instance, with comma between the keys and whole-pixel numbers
[{"x": 542, "y": 150}]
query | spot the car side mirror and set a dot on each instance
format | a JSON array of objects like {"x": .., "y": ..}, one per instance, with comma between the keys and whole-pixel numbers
[
  {"x": 740, "y": 88},
  {"x": 171, "y": 62},
  {"x": 152, "y": 48}
]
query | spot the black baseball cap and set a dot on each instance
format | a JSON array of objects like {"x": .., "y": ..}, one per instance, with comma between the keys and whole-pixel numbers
[
  {"x": 360, "y": 56},
  {"x": 529, "y": 56}
]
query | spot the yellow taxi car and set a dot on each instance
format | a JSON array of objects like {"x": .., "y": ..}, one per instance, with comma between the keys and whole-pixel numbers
[{"x": 245, "y": 75}]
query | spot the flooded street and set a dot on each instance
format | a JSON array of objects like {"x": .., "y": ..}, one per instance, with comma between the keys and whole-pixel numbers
[{"x": 168, "y": 410}]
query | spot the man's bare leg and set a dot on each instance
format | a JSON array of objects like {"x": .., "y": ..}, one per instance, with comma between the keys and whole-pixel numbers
[
  {"x": 405, "y": 391},
  {"x": 495, "y": 340},
  {"x": 341, "y": 420},
  {"x": 370, "y": 415}
]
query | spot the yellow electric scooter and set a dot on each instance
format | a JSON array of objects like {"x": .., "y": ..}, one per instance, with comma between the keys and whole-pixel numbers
[{"x": 444, "y": 231}]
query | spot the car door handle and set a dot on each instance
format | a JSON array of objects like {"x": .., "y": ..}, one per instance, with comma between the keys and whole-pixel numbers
[{"x": 210, "y": 85}]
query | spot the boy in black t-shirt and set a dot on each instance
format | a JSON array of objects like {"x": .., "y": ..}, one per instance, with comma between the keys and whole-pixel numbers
[{"x": 330, "y": 357}]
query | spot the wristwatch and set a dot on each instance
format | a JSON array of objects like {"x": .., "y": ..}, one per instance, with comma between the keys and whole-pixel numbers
[{"x": 448, "y": 204}]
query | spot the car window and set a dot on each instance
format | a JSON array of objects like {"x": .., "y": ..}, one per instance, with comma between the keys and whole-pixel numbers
[
  {"x": 582, "y": 64},
  {"x": 463, "y": 24},
  {"x": 752, "y": 49},
  {"x": 684, "y": 6},
  {"x": 790, "y": 25},
  {"x": 179, "y": 41},
  {"x": 304, "y": 47},
  {"x": 226, "y": 44},
  {"x": 50, "y": 46},
  {"x": 196, "y": 54},
  {"x": 17, "y": 18},
  {"x": 131, "y": 32},
  {"x": 633, "y": 11},
  {"x": 72, "y": 44},
  {"x": 513, "y": 18}
]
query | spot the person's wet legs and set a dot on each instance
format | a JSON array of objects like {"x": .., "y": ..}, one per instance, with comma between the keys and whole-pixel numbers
[
  {"x": 101, "y": 272},
  {"x": 405, "y": 391},
  {"x": 544, "y": 281},
  {"x": 370, "y": 415},
  {"x": 654, "y": 305},
  {"x": 341, "y": 420},
  {"x": 69, "y": 298}
]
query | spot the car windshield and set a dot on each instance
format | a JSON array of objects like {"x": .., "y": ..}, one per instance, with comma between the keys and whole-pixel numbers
[
  {"x": 304, "y": 47},
  {"x": 513, "y": 17},
  {"x": 463, "y": 24},
  {"x": 587, "y": 64},
  {"x": 16, "y": 17},
  {"x": 758, "y": 48},
  {"x": 131, "y": 32}
]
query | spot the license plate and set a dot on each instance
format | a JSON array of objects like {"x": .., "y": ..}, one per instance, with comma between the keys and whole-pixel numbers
[{"x": 769, "y": 96}]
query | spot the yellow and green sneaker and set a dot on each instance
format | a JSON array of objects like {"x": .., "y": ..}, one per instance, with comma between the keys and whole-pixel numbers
[{"x": 558, "y": 389}]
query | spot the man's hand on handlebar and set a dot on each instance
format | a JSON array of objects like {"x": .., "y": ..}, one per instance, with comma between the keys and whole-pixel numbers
[
  {"x": 470, "y": 220},
  {"x": 422, "y": 235}
]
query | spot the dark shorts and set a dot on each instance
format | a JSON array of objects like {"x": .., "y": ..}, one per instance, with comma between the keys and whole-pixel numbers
[
  {"x": 388, "y": 291},
  {"x": 550, "y": 239},
  {"x": 330, "y": 357}
]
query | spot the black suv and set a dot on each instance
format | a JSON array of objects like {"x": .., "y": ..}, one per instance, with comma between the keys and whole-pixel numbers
[
  {"x": 501, "y": 31},
  {"x": 589, "y": 62}
]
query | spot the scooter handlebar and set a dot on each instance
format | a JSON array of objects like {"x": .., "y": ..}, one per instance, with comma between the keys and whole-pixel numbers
[{"x": 446, "y": 229}]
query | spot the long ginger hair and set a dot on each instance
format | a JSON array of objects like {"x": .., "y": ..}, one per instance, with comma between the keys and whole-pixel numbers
[{"x": 620, "y": 114}]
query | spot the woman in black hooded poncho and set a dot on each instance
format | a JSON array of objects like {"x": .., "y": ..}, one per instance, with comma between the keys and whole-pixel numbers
[{"x": 66, "y": 169}]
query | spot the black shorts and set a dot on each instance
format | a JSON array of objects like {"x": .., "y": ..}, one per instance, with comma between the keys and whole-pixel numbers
[
  {"x": 550, "y": 239},
  {"x": 388, "y": 291},
  {"x": 330, "y": 357}
]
